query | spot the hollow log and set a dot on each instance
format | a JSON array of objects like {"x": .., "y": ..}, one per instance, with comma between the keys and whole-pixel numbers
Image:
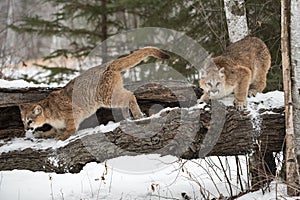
[{"x": 183, "y": 131}]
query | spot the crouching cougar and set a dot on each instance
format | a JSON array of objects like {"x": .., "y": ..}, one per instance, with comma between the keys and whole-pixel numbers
[
  {"x": 100, "y": 86},
  {"x": 242, "y": 69}
]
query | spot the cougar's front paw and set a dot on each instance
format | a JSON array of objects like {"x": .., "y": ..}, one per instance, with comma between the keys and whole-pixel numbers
[
  {"x": 239, "y": 105},
  {"x": 199, "y": 101},
  {"x": 138, "y": 115},
  {"x": 204, "y": 99},
  {"x": 252, "y": 92},
  {"x": 39, "y": 135},
  {"x": 61, "y": 137},
  {"x": 43, "y": 135}
]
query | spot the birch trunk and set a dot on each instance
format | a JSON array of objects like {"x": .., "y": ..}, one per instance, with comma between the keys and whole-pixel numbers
[
  {"x": 238, "y": 29},
  {"x": 292, "y": 175},
  {"x": 236, "y": 19},
  {"x": 295, "y": 64}
]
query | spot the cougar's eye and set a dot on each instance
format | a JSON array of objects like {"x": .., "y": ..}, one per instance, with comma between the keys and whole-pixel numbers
[
  {"x": 209, "y": 84},
  {"x": 29, "y": 122},
  {"x": 218, "y": 84}
]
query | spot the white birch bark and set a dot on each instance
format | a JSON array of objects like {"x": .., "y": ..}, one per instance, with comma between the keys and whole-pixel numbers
[
  {"x": 236, "y": 19},
  {"x": 289, "y": 65},
  {"x": 295, "y": 62}
]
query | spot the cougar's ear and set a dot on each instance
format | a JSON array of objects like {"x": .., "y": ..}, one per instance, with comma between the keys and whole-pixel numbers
[
  {"x": 202, "y": 73},
  {"x": 37, "y": 110},
  {"x": 21, "y": 106},
  {"x": 222, "y": 72}
]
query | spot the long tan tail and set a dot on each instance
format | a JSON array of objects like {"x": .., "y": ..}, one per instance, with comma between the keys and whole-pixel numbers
[{"x": 136, "y": 57}]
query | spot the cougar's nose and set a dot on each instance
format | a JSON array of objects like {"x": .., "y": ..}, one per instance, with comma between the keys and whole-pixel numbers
[{"x": 214, "y": 92}]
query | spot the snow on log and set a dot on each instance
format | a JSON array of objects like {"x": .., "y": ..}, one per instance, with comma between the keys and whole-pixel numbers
[{"x": 188, "y": 131}]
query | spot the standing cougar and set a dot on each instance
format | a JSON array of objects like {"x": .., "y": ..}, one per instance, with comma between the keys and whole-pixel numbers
[
  {"x": 99, "y": 86},
  {"x": 241, "y": 69}
]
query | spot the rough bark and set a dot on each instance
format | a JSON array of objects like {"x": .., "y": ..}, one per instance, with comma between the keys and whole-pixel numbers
[
  {"x": 236, "y": 19},
  {"x": 295, "y": 61},
  {"x": 292, "y": 173},
  {"x": 182, "y": 132}
]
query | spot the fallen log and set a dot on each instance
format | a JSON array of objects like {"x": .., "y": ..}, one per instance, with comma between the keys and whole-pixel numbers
[
  {"x": 186, "y": 132},
  {"x": 151, "y": 97}
]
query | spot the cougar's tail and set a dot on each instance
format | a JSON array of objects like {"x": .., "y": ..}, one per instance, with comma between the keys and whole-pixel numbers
[{"x": 136, "y": 57}]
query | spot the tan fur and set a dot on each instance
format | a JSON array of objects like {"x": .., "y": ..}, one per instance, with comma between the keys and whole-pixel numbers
[
  {"x": 241, "y": 70},
  {"x": 99, "y": 86}
]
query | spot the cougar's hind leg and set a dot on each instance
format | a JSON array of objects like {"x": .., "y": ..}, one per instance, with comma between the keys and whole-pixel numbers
[
  {"x": 259, "y": 82},
  {"x": 122, "y": 98},
  {"x": 257, "y": 87},
  {"x": 125, "y": 99},
  {"x": 125, "y": 112},
  {"x": 134, "y": 107}
]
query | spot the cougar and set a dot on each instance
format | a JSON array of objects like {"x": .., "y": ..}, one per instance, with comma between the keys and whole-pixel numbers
[
  {"x": 100, "y": 86},
  {"x": 242, "y": 69}
]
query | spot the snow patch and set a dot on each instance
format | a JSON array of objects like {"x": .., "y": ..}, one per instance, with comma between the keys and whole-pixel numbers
[
  {"x": 156, "y": 115},
  {"x": 277, "y": 191},
  {"x": 199, "y": 105},
  {"x": 54, "y": 161},
  {"x": 268, "y": 113},
  {"x": 21, "y": 84},
  {"x": 274, "y": 99},
  {"x": 256, "y": 120},
  {"x": 19, "y": 144}
]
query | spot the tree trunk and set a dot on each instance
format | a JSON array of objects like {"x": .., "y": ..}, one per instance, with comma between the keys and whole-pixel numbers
[
  {"x": 104, "y": 31},
  {"x": 183, "y": 132},
  {"x": 238, "y": 29},
  {"x": 236, "y": 19},
  {"x": 295, "y": 64},
  {"x": 290, "y": 157}
]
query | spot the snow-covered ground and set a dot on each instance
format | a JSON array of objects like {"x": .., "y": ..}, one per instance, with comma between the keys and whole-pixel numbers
[{"x": 138, "y": 177}]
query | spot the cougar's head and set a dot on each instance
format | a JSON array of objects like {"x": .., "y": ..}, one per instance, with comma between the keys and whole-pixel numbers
[
  {"x": 32, "y": 116},
  {"x": 212, "y": 81}
]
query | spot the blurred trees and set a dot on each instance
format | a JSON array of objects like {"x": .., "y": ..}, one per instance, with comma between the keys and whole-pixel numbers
[
  {"x": 83, "y": 24},
  {"x": 205, "y": 21},
  {"x": 15, "y": 47}
]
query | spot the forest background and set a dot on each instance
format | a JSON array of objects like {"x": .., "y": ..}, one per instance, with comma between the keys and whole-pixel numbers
[{"x": 50, "y": 28}]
